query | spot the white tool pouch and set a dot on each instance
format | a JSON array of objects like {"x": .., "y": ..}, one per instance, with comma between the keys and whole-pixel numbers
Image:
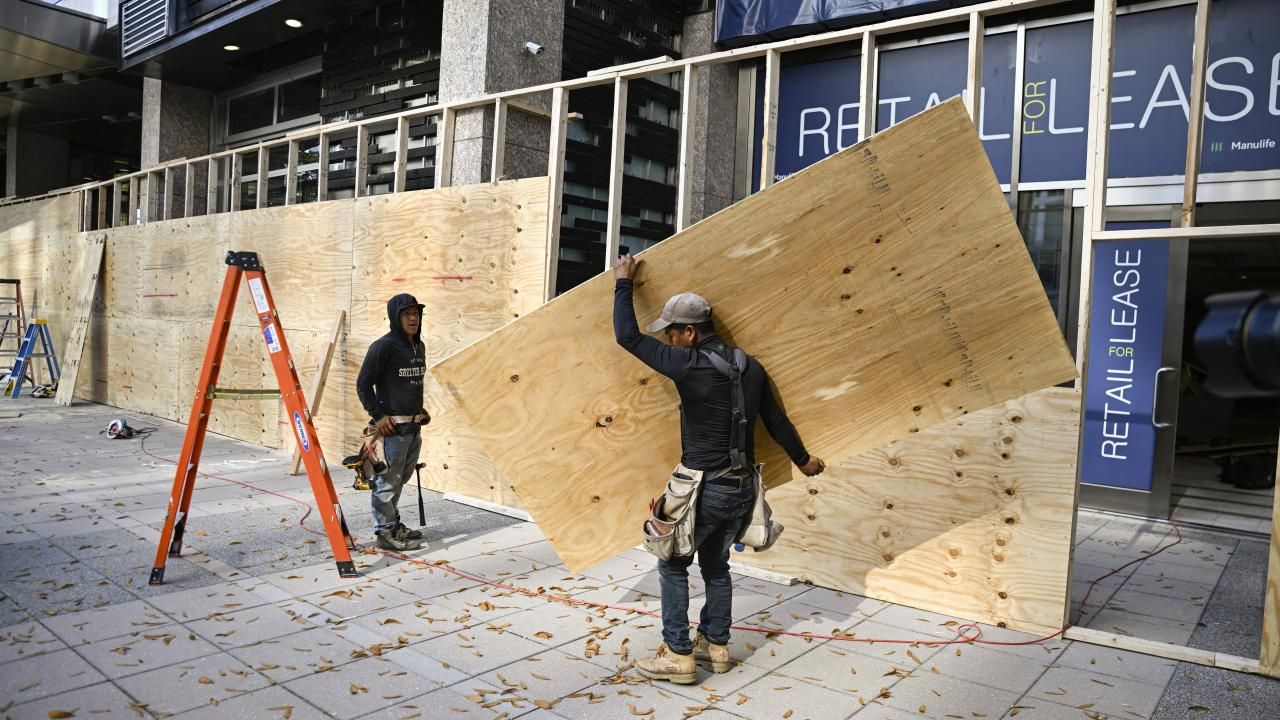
[
  {"x": 760, "y": 532},
  {"x": 669, "y": 530}
]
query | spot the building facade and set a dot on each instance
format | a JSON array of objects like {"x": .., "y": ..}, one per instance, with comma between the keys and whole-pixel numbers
[{"x": 286, "y": 101}]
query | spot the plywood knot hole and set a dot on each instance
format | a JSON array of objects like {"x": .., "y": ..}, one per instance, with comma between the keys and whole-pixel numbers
[
  {"x": 847, "y": 269},
  {"x": 1003, "y": 595},
  {"x": 954, "y": 552},
  {"x": 915, "y": 408},
  {"x": 644, "y": 381},
  {"x": 888, "y": 505},
  {"x": 878, "y": 240},
  {"x": 595, "y": 498},
  {"x": 1016, "y": 419},
  {"x": 894, "y": 462},
  {"x": 813, "y": 491},
  {"x": 1009, "y": 492},
  {"x": 515, "y": 378},
  {"x": 1001, "y": 540},
  {"x": 811, "y": 516},
  {"x": 446, "y": 466},
  {"x": 950, "y": 573},
  {"x": 884, "y": 532},
  {"x": 605, "y": 421},
  {"x": 846, "y": 296},
  {"x": 959, "y": 473},
  {"x": 1006, "y": 440},
  {"x": 859, "y": 311},
  {"x": 946, "y": 383},
  {"x": 888, "y": 557},
  {"x": 1010, "y": 520},
  {"x": 1004, "y": 456},
  {"x": 1001, "y": 624},
  {"x": 960, "y": 452},
  {"x": 997, "y": 556}
]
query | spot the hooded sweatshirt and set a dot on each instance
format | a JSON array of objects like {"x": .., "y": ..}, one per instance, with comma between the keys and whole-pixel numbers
[{"x": 390, "y": 379}]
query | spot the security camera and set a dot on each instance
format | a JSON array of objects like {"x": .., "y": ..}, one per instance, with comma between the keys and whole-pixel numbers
[{"x": 533, "y": 48}]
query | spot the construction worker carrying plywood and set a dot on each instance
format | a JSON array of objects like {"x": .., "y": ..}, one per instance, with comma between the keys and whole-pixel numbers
[
  {"x": 722, "y": 392},
  {"x": 390, "y": 389}
]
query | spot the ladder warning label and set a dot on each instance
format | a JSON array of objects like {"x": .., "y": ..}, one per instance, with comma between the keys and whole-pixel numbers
[
  {"x": 301, "y": 428},
  {"x": 273, "y": 339},
  {"x": 259, "y": 297}
]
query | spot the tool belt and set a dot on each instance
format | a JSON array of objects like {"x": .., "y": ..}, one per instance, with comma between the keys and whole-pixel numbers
[
  {"x": 760, "y": 532},
  {"x": 669, "y": 530}
]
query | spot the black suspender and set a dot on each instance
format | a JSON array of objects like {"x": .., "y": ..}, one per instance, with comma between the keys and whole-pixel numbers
[{"x": 738, "y": 429}]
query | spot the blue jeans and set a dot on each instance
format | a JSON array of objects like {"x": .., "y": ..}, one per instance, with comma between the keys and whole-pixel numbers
[
  {"x": 400, "y": 452},
  {"x": 721, "y": 512}
]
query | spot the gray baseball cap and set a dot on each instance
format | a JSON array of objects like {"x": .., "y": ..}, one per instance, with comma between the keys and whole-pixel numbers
[{"x": 683, "y": 309}]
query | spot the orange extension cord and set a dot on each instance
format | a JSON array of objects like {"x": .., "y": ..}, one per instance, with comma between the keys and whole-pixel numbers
[{"x": 966, "y": 634}]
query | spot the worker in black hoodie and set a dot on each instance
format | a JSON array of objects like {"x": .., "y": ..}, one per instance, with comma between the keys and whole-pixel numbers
[{"x": 390, "y": 388}]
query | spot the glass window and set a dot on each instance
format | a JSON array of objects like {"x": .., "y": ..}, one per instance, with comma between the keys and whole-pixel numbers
[
  {"x": 299, "y": 99},
  {"x": 250, "y": 112},
  {"x": 1041, "y": 219}
]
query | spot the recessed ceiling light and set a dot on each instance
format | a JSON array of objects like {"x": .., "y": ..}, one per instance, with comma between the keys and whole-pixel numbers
[
  {"x": 293, "y": 22},
  {"x": 231, "y": 48}
]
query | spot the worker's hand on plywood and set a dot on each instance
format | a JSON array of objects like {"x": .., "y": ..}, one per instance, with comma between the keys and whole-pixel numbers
[
  {"x": 625, "y": 268},
  {"x": 815, "y": 466}
]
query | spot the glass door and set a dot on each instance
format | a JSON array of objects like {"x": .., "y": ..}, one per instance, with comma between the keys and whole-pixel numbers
[{"x": 1132, "y": 373}]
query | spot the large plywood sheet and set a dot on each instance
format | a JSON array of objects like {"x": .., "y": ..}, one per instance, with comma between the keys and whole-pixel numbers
[
  {"x": 972, "y": 517},
  {"x": 473, "y": 255},
  {"x": 885, "y": 288},
  {"x": 88, "y": 274},
  {"x": 306, "y": 250}
]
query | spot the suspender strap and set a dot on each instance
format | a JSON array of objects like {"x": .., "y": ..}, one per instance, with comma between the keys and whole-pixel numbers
[{"x": 738, "y": 428}]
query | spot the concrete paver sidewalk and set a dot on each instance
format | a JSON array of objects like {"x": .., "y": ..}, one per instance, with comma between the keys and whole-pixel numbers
[{"x": 253, "y": 621}]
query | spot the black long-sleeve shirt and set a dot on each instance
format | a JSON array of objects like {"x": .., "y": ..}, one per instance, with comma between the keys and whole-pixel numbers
[{"x": 706, "y": 402}]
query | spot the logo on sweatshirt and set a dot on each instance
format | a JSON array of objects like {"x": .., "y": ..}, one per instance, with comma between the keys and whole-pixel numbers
[{"x": 412, "y": 372}]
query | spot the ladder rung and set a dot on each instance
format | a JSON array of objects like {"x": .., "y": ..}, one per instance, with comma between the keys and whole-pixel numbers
[{"x": 251, "y": 394}]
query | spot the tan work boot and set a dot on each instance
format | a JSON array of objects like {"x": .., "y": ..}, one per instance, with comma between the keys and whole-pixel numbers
[
  {"x": 667, "y": 665},
  {"x": 707, "y": 651}
]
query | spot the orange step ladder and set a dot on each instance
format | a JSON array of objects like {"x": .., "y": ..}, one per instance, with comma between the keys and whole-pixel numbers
[{"x": 246, "y": 265}]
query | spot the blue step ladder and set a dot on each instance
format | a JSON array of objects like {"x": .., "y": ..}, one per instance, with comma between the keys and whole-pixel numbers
[{"x": 37, "y": 330}]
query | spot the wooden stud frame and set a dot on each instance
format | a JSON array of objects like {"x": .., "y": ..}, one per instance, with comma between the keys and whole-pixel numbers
[
  {"x": 769, "y": 138},
  {"x": 211, "y": 188},
  {"x": 1195, "y": 114},
  {"x": 322, "y": 172},
  {"x": 291, "y": 176},
  {"x": 189, "y": 190},
  {"x": 688, "y": 127},
  {"x": 497, "y": 160},
  {"x": 867, "y": 87},
  {"x": 555, "y": 170},
  {"x": 973, "y": 84},
  {"x": 402, "y": 155},
  {"x": 617, "y": 162},
  {"x": 444, "y": 148},
  {"x": 264, "y": 156},
  {"x": 362, "y": 160}
]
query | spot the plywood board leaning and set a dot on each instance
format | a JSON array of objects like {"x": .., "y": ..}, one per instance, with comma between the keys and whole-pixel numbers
[
  {"x": 971, "y": 517},
  {"x": 885, "y": 288},
  {"x": 317, "y": 386},
  {"x": 78, "y": 316},
  {"x": 1269, "y": 654}
]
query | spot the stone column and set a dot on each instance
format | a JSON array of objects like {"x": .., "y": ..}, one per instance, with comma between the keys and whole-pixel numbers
[
  {"x": 483, "y": 51},
  {"x": 711, "y": 163},
  {"x": 175, "y": 124}
]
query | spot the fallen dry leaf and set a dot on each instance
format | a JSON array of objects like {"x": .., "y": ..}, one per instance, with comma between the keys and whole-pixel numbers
[{"x": 53, "y": 714}]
